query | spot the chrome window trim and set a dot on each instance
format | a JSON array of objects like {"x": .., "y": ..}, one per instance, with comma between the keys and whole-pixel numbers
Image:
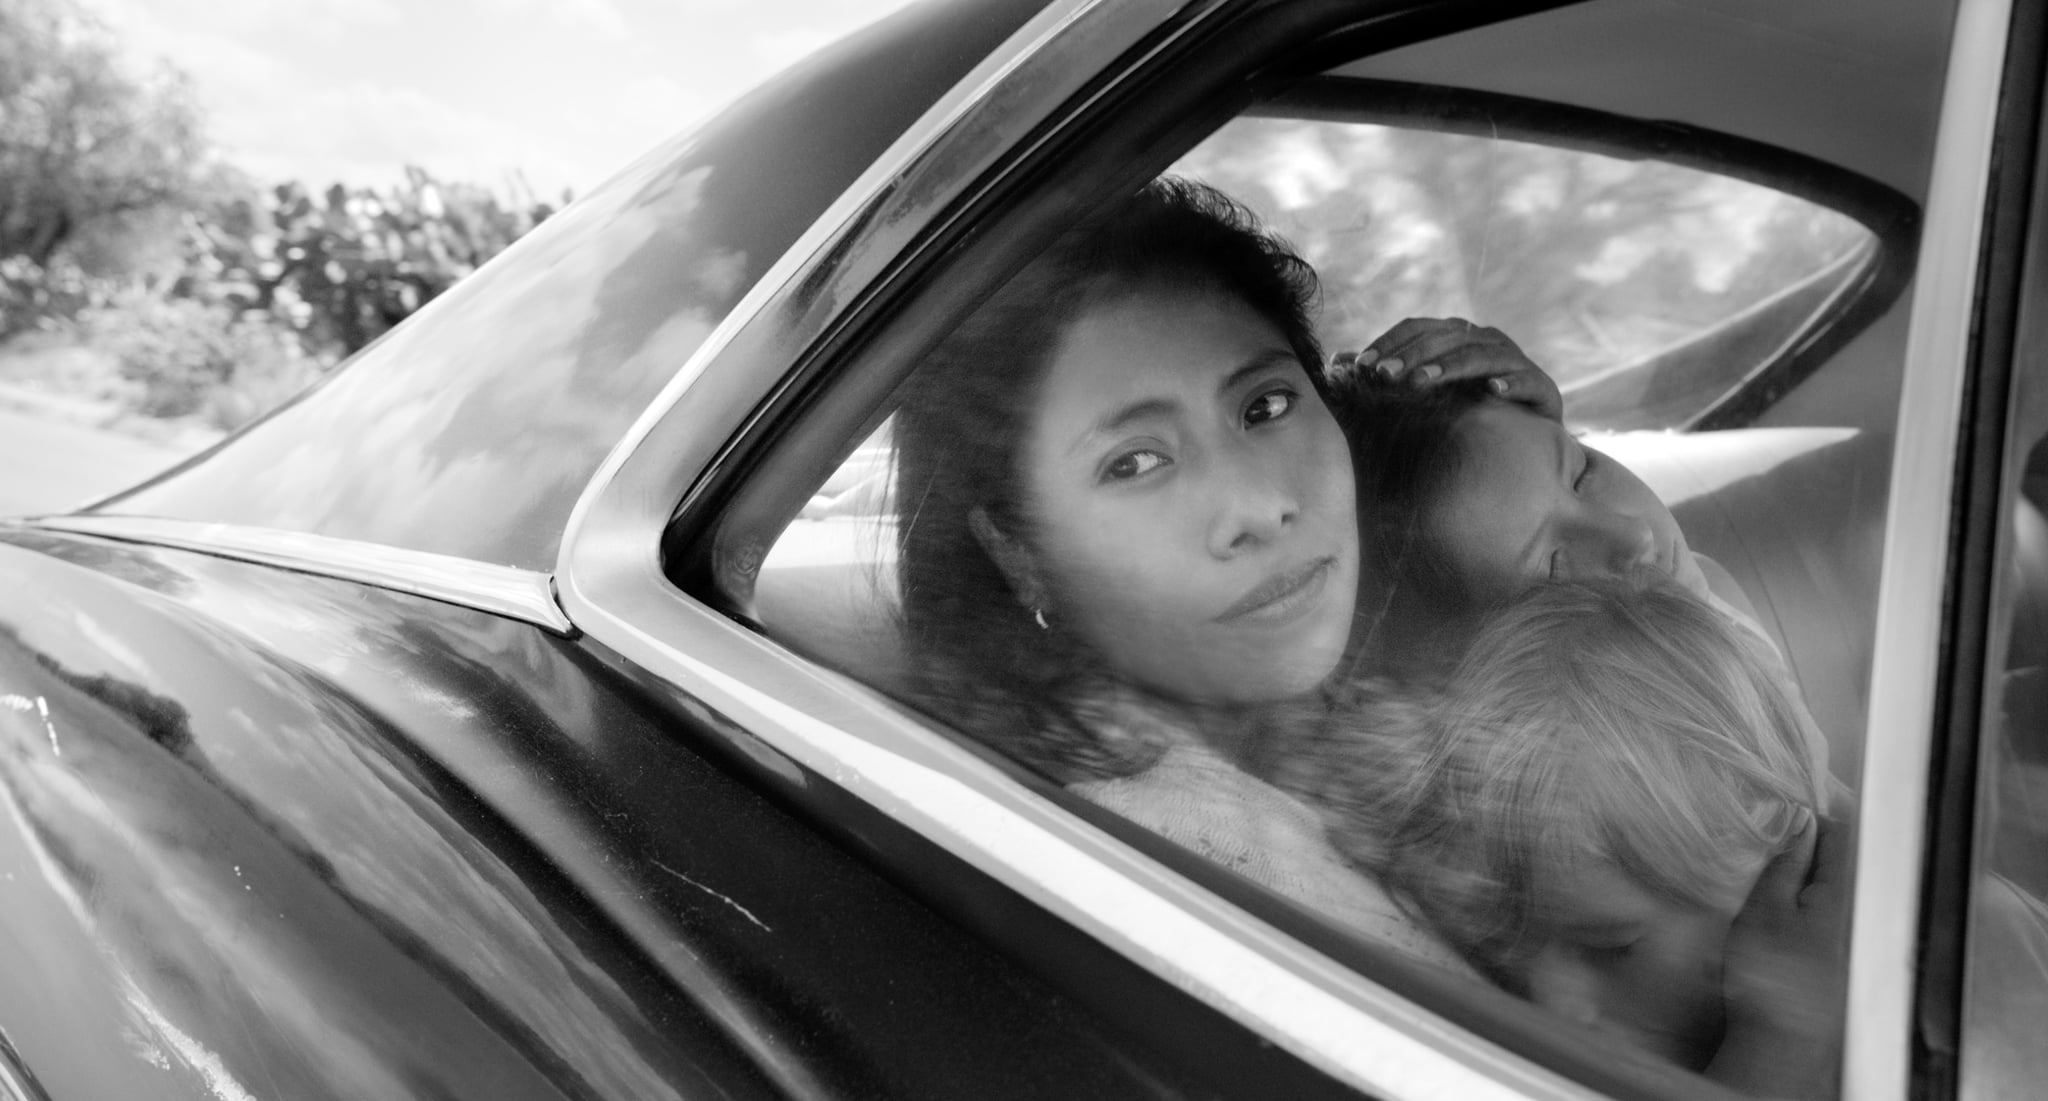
[
  {"x": 1899, "y": 739},
  {"x": 613, "y": 588},
  {"x": 507, "y": 591}
]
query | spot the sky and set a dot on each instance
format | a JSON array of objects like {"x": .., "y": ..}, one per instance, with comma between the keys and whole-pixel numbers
[{"x": 559, "y": 92}]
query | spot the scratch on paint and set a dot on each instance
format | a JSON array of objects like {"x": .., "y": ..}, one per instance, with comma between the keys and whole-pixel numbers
[
  {"x": 744, "y": 912},
  {"x": 43, "y": 706},
  {"x": 208, "y": 1065}
]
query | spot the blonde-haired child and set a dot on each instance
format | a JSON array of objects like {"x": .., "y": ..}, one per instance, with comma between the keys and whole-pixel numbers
[{"x": 1585, "y": 809}]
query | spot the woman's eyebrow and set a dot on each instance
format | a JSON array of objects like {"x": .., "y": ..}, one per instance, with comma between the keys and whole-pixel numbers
[
  {"x": 1264, "y": 361},
  {"x": 1120, "y": 419}
]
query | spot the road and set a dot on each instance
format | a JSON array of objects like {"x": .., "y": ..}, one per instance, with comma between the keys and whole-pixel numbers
[{"x": 49, "y": 465}]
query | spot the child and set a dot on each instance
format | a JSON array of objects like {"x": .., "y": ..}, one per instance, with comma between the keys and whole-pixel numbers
[
  {"x": 1467, "y": 499},
  {"x": 1585, "y": 809}
]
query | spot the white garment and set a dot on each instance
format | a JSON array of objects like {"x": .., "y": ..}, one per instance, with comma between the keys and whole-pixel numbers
[{"x": 1197, "y": 799}]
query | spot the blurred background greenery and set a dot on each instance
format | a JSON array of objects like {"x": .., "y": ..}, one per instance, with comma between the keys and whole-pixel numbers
[{"x": 162, "y": 292}]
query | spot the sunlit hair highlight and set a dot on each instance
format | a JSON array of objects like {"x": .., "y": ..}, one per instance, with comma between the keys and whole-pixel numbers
[{"x": 1623, "y": 722}]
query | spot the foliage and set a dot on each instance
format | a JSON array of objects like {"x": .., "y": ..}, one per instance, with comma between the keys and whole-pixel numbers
[
  {"x": 270, "y": 289},
  {"x": 34, "y": 295},
  {"x": 343, "y": 266},
  {"x": 83, "y": 141},
  {"x": 181, "y": 356},
  {"x": 238, "y": 296}
]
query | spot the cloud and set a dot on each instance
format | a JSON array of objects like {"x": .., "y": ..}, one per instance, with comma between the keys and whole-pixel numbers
[
  {"x": 598, "y": 17},
  {"x": 367, "y": 132},
  {"x": 244, "y": 17},
  {"x": 807, "y": 28}
]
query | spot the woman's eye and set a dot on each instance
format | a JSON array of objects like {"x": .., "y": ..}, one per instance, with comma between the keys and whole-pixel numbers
[
  {"x": 1133, "y": 464},
  {"x": 1270, "y": 406}
]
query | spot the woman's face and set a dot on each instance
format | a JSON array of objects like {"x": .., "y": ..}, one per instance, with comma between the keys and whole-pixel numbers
[
  {"x": 1529, "y": 502},
  {"x": 1191, "y": 500}
]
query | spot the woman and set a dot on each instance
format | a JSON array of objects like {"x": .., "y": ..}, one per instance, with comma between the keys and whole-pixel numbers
[{"x": 1129, "y": 530}]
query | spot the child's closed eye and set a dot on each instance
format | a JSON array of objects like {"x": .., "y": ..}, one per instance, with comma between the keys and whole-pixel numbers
[{"x": 1608, "y": 951}]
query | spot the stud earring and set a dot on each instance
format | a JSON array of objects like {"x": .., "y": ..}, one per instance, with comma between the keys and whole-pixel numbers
[{"x": 1038, "y": 616}]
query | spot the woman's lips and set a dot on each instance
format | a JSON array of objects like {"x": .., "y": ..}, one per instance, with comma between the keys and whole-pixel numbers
[{"x": 1282, "y": 596}]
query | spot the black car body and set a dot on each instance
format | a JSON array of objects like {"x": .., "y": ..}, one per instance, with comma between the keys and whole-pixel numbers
[{"x": 425, "y": 739}]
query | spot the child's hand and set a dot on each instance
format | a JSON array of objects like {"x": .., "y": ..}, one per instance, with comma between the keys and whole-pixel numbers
[
  {"x": 1426, "y": 351},
  {"x": 1783, "y": 974}
]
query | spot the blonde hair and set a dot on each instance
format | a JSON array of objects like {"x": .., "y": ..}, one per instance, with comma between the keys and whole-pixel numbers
[{"x": 1624, "y": 722}]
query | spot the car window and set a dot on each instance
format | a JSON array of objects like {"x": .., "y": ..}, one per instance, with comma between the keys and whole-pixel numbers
[
  {"x": 2006, "y": 969},
  {"x": 1429, "y": 677},
  {"x": 1652, "y": 290}
]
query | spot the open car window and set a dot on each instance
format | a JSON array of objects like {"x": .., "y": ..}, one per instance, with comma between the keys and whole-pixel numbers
[
  {"x": 1654, "y": 291},
  {"x": 1676, "y": 300}
]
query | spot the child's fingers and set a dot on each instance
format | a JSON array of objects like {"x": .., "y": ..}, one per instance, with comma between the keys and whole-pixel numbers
[
  {"x": 1422, "y": 342},
  {"x": 1509, "y": 375},
  {"x": 1834, "y": 851},
  {"x": 1406, "y": 332},
  {"x": 1776, "y": 894},
  {"x": 1451, "y": 338}
]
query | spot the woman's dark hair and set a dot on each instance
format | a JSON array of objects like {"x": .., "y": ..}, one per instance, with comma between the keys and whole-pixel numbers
[
  {"x": 1416, "y": 608},
  {"x": 982, "y": 662}
]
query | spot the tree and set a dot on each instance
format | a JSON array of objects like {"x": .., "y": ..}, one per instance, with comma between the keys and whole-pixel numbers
[{"x": 83, "y": 141}]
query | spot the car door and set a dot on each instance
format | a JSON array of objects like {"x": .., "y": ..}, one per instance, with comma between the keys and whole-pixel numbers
[{"x": 675, "y": 543}]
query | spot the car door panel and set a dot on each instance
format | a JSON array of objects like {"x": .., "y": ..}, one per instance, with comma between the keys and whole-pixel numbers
[{"x": 474, "y": 859}]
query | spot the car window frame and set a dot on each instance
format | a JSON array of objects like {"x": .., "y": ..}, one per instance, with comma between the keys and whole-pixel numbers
[
  {"x": 1891, "y": 217},
  {"x": 612, "y": 585},
  {"x": 1883, "y": 1051},
  {"x": 2007, "y": 418},
  {"x": 610, "y": 561}
]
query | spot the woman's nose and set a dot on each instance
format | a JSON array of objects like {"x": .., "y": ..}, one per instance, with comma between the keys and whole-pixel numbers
[{"x": 1253, "y": 507}]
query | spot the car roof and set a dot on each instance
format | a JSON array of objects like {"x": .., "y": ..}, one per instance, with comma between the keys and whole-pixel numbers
[{"x": 1852, "y": 84}]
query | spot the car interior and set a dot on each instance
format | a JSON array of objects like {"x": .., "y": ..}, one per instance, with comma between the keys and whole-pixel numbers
[
  {"x": 1734, "y": 419},
  {"x": 1725, "y": 310}
]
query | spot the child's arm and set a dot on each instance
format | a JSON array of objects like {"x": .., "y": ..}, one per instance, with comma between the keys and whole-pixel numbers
[
  {"x": 1782, "y": 979},
  {"x": 1426, "y": 351}
]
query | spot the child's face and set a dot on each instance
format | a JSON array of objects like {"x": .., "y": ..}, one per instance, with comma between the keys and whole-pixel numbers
[
  {"x": 1613, "y": 955},
  {"x": 1529, "y": 502}
]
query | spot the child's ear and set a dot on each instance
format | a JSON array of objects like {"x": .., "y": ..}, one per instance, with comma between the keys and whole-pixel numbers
[{"x": 1012, "y": 557}]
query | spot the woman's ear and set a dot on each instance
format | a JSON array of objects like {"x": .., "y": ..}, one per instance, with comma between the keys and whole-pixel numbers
[{"x": 1010, "y": 556}]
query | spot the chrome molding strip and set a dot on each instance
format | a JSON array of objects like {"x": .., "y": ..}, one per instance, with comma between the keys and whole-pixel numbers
[
  {"x": 500, "y": 590},
  {"x": 612, "y": 586},
  {"x": 1900, "y": 737}
]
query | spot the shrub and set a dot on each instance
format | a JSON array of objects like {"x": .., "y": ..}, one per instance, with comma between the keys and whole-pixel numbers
[{"x": 181, "y": 356}]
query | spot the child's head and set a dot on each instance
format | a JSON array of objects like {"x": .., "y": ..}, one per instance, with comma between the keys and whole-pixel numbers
[
  {"x": 1592, "y": 798},
  {"x": 1468, "y": 500}
]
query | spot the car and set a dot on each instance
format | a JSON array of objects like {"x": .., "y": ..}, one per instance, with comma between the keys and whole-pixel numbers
[{"x": 518, "y": 712}]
